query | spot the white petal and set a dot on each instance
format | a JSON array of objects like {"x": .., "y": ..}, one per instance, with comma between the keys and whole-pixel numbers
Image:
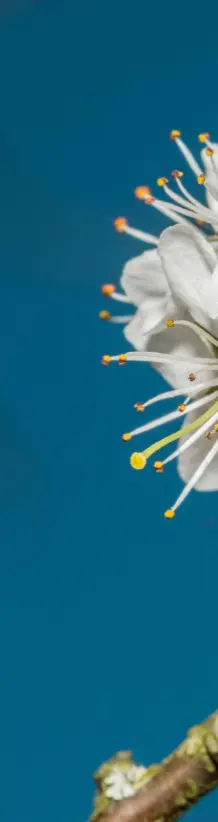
[
  {"x": 190, "y": 459},
  {"x": 177, "y": 341},
  {"x": 189, "y": 262},
  {"x": 151, "y": 316},
  {"x": 143, "y": 277}
]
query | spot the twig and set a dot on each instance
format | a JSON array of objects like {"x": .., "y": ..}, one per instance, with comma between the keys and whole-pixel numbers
[{"x": 161, "y": 793}]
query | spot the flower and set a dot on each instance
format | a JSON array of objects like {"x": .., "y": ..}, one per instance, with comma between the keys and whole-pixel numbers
[
  {"x": 175, "y": 291},
  {"x": 122, "y": 784}
]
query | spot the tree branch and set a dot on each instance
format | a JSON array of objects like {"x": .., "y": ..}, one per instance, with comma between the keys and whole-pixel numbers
[{"x": 161, "y": 793}]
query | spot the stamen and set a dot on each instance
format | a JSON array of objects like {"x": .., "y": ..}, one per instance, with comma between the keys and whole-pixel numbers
[
  {"x": 122, "y": 319},
  {"x": 143, "y": 456},
  {"x": 120, "y": 297},
  {"x": 104, "y": 315},
  {"x": 173, "y": 415},
  {"x": 122, "y": 359},
  {"x": 175, "y": 134},
  {"x": 158, "y": 465},
  {"x": 204, "y": 137},
  {"x": 144, "y": 193},
  {"x": 204, "y": 335},
  {"x": 173, "y": 211},
  {"x": 197, "y": 434},
  {"x": 193, "y": 205},
  {"x": 196, "y": 476},
  {"x": 177, "y": 392},
  {"x": 139, "y": 406},
  {"x": 156, "y": 357},
  {"x": 169, "y": 514},
  {"x": 186, "y": 153},
  {"x": 108, "y": 289},
  {"x": 121, "y": 225},
  {"x": 106, "y": 359},
  {"x": 192, "y": 200}
]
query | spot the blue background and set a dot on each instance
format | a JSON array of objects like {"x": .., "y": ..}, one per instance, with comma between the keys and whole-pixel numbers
[{"x": 108, "y": 613}]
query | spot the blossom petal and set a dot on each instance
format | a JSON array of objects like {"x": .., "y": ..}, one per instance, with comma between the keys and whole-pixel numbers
[
  {"x": 178, "y": 341},
  {"x": 143, "y": 277},
  {"x": 189, "y": 262},
  {"x": 190, "y": 459},
  {"x": 150, "y": 317}
]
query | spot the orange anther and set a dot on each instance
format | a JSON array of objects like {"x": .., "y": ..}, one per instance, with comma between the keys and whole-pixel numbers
[
  {"x": 209, "y": 152},
  {"x": 104, "y": 315},
  {"x": 144, "y": 193},
  {"x": 106, "y": 359},
  {"x": 175, "y": 134},
  {"x": 204, "y": 137},
  {"x": 107, "y": 289},
  {"x": 177, "y": 174},
  {"x": 138, "y": 406},
  {"x": 199, "y": 222},
  {"x": 162, "y": 181},
  {"x": 170, "y": 323},
  {"x": 201, "y": 179},
  {"x": 120, "y": 223},
  {"x": 126, "y": 437},
  {"x": 181, "y": 407},
  {"x": 122, "y": 359},
  {"x": 192, "y": 377},
  {"x": 169, "y": 514},
  {"x": 158, "y": 465}
]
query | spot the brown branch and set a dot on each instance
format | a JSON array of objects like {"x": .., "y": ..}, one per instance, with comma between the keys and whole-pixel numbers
[{"x": 168, "y": 789}]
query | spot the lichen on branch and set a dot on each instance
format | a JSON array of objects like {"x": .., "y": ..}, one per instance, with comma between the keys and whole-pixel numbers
[{"x": 126, "y": 792}]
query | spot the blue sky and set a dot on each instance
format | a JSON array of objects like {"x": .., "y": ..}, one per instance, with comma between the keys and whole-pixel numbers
[{"x": 108, "y": 613}]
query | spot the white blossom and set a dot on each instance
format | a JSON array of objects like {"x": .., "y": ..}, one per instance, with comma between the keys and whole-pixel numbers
[{"x": 174, "y": 289}]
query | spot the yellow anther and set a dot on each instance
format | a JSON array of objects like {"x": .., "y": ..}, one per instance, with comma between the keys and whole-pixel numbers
[
  {"x": 169, "y": 514},
  {"x": 120, "y": 224},
  {"x": 216, "y": 427},
  {"x": 162, "y": 181},
  {"x": 201, "y": 179},
  {"x": 122, "y": 359},
  {"x": 192, "y": 377},
  {"x": 107, "y": 289},
  {"x": 104, "y": 315},
  {"x": 126, "y": 437},
  {"x": 170, "y": 323},
  {"x": 203, "y": 137},
  {"x": 177, "y": 174},
  {"x": 138, "y": 406},
  {"x": 106, "y": 359},
  {"x": 158, "y": 465},
  {"x": 209, "y": 152},
  {"x": 138, "y": 461},
  {"x": 181, "y": 407},
  {"x": 175, "y": 134},
  {"x": 144, "y": 193},
  {"x": 199, "y": 222}
]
